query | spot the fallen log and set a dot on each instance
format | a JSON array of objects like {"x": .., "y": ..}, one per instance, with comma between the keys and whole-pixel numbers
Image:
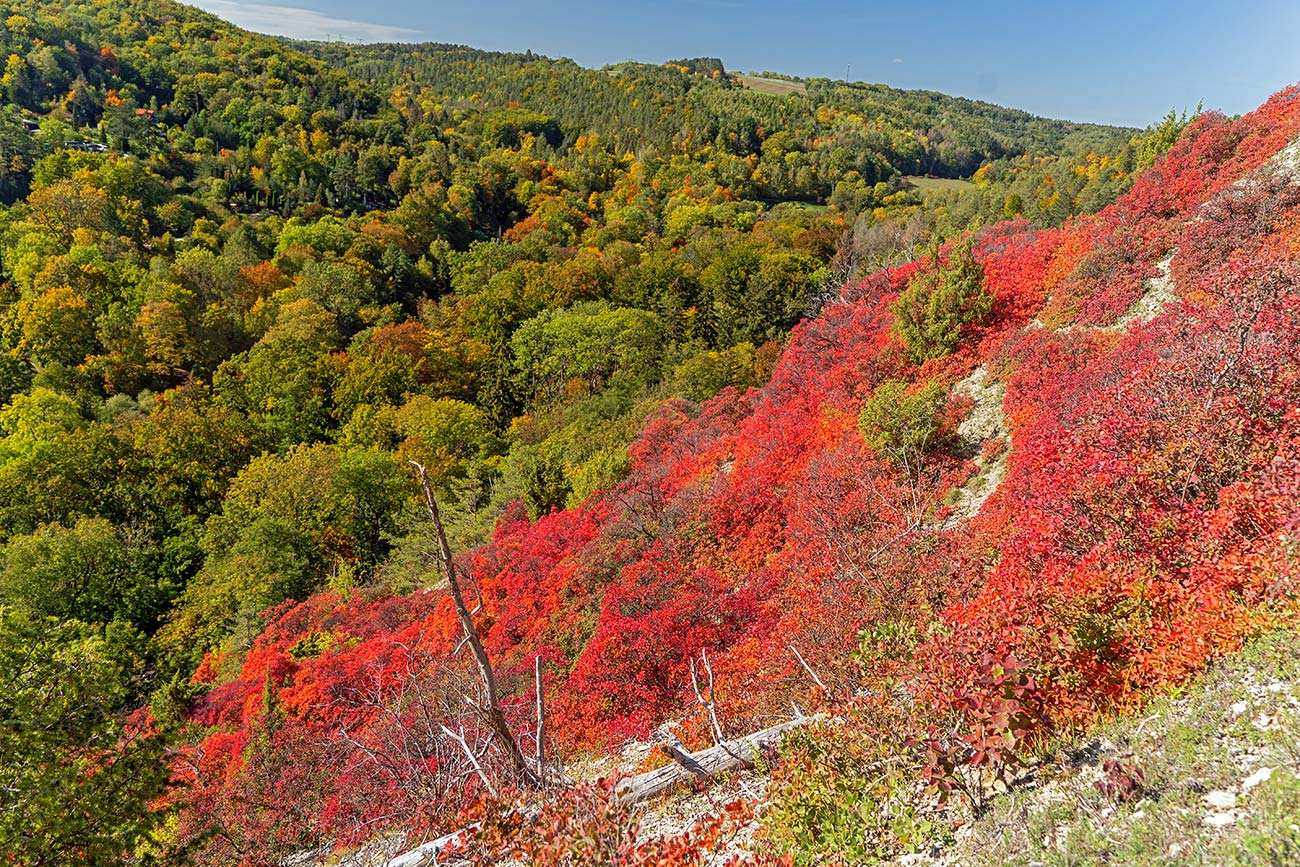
[
  {"x": 427, "y": 854},
  {"x": 687, "y": 766},
  {"x": 726, "y": 756}
]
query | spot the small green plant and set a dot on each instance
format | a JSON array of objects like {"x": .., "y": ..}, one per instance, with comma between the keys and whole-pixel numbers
[
  {"x": 838, "y": 797},
  {"x": 883, "y": 644},
  {"x": 903, "y": 424},
  {"x": 311, "y": 645}
]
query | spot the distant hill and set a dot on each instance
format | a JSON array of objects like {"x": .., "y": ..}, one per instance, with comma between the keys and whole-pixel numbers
[{"x": 632, "y": 104}]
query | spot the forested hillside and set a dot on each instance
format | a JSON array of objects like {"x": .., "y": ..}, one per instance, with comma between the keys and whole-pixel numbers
[
  {"x": 835, "y": 143},
  {"x": 689, "y": 369},
  {"x": 839, "y": 127}
]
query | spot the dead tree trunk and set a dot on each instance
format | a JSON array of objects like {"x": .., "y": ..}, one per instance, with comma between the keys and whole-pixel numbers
[
  {"x": 541, "y": 721},
  {"x": 490, "y": 709},
  {"x": 724, "y": 757}
]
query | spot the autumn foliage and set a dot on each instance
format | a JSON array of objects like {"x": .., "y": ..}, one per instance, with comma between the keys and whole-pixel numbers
[{"x": 1146, "y": 523}]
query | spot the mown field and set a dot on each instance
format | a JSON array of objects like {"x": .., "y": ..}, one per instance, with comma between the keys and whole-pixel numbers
[
  {"x": 930, "y": 185},
  {"x": 775, "y": 86}
]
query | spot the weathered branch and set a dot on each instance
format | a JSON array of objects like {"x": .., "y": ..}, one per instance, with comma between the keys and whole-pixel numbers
[
  {"x": 710, "y": 705},
  {"x": 673, "y": 749},
  {"x": 541, "y": 720},
  {"x": 806, "y": 667},
  {"x": 428, "y": 853},
  {"x": 473, "y": 759}
]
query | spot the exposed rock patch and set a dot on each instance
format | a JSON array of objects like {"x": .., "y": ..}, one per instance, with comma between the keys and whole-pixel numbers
[
  {"x": 1159, "y": 293},
  {"x": 985, "y": 422}
]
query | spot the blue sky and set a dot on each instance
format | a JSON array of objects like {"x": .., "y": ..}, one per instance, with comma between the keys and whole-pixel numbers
[{"x": 1104, "y": 61}]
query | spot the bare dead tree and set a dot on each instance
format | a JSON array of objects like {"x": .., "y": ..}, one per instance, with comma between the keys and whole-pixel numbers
[
  {"x": 541, "y": 720},
  {"x": 873, "y": 244},
  {"x": 398, "y": 739},
  {"x": 709, "y": 705},
  {"x": 490, "y": 707}
]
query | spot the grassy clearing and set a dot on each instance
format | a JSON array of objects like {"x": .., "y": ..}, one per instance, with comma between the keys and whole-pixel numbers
[
  {"x": 934, "y": 185},
  {"x": 787, "y": 208},
  {"x": 1217, "y": 768},
  {"x": 774, "y": 86}
]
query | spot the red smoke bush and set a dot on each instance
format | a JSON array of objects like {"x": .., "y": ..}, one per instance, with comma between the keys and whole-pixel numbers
[{"x": 1147, "y": 512}]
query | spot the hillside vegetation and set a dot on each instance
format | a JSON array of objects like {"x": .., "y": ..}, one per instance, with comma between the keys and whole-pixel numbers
[
  {"x": 1142, "y": 529},
  {"x": 718, "y": 413},
  {"x": 1209, "y": 774}
]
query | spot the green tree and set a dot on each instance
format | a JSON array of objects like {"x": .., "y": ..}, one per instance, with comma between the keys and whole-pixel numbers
[
  {"x": 706, "y": 373},
  {"x": 285, "y": 381},
  {"x": 55, "y": 465},
  {"x": 290, "y": 525},
  {"x": 1158, "y": 138},
  {"x": 939, "y": 301},
  {"x": 546, "y": 486},
  {"x": 449, "y": 437},
  {"x": 588, "y": 344},
  {"x": 1014, "y": 206},
  {"x": 56, "y": 326},
  {"x": 76, "y": 781},
  {"x": 86, "y": 571}
]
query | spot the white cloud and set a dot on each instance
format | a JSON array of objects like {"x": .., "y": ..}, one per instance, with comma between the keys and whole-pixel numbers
[
  {"x": 298, "y": 23},
  {"x": 898, "y": 60}
]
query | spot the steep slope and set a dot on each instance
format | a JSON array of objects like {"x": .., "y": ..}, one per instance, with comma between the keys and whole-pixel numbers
[
  {"x": 1145, "y": 526},
  {"x": 1207, "y": 775},
  {"x": 982, "y": 499}
]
